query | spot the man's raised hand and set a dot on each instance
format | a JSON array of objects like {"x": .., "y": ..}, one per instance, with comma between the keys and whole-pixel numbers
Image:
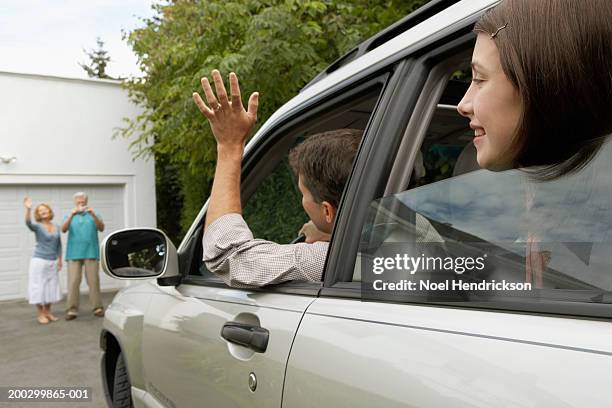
[{"x": 229, "y": 121}]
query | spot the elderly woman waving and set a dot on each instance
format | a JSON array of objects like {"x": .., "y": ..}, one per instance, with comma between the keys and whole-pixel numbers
[{"x": 43, "y": 283}]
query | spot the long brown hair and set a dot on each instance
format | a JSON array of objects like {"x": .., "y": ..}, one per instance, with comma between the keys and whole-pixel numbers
[{"x": 558, "y": 54}]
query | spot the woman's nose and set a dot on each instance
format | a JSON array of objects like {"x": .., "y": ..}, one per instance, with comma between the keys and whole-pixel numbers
[{"x": 465, "y": 105}]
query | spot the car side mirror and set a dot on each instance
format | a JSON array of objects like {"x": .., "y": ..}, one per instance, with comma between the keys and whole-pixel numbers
[{"x": 139, "y": 253}]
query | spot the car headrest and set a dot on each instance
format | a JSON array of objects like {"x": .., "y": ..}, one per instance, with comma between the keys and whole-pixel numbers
[{"x": 466, "y": 162}]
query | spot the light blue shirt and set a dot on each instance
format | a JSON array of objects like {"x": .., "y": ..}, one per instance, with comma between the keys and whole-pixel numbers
[
  {"x": 48, "y": 245},
  {"x": 82, "y": 237}
]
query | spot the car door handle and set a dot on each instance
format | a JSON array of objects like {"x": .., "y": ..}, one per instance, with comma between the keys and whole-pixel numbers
[{"x": 246, "y": 335}]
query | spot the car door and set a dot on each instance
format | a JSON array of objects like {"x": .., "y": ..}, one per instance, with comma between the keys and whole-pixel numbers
[
  {"x": 549, "y": 346},
  {"x": 186, "y": 359}
]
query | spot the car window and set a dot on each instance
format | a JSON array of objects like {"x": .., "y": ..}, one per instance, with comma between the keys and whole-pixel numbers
[
  {"x": 271, "y": 199},
  {"x": 445, "y": 150},
  {"x": 460, "y": 233},
  {"x": 274, "y": 212},
  {"x": 551, "y": 234}
]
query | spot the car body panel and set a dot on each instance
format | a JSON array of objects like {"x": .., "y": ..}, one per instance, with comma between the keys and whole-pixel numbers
[
  {"x": 182, "y": 336},
  {"x": 142, "y": 399},
  {"x": 123, "y": 319},
  {"x": 401, "y": 355}
]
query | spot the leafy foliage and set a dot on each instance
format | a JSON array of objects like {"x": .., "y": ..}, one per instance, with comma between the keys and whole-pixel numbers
[
  {"x": 274, "y": 212},
  {"x": 275, "y": 47}
]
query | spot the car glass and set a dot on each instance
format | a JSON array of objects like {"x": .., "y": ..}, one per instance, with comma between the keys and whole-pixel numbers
[{"x": 555, "y": 235}]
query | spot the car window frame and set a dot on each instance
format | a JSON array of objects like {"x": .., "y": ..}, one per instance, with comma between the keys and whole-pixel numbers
[
  {"x": 408, "y": 84},
  {"x": 336, "y": 97}
]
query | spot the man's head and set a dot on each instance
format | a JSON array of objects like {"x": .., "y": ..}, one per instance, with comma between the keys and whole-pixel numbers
[
  {"x": 323, "y": 164},
  {"x": 80, "y": 199}
]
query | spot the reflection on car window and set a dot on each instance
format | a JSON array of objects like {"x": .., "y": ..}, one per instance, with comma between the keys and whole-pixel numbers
[
  {"x": 556, "y": 234},
  {"x": 274, "y": 212}
]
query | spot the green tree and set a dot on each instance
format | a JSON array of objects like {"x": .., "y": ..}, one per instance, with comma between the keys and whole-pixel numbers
[
  {"x": 98, "y": 60},
  {"x": 274, "y": 46}
]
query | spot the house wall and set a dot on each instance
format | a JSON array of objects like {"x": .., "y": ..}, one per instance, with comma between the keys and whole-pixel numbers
[{"x": 61, "y": 132}]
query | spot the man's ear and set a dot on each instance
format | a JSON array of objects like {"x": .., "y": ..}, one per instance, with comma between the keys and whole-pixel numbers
[{"x": 329, "y": 212}]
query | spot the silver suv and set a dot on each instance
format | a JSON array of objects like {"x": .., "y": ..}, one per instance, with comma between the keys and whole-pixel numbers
[{"x": 182, "y": 338}]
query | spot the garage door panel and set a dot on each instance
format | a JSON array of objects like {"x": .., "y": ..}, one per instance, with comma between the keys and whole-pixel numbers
[
  {"x": 66, "y": 195},
  {"x": 104, "y": 194},
  {"x": 10, "y": 288},
  {"x": 108, "y": 214},
  {"x": 9, "y": 196},
  {"x": 8, "y": 217},
  {"x": 7, "y": 266},
  {"x": 10, "y": 242}
]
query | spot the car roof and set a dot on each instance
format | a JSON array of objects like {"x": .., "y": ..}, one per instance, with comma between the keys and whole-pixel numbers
[{"x": 454, "y": 13}]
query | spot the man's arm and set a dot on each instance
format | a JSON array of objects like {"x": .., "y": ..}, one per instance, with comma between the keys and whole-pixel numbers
[
  {"x": 99, "y": 222},
  {"x": 312, "y": 233},
  {"x": 66, "y": 223},
  {"x": 228, "y": 245},
  {"x": 231, "y": 253},
  {"x": 225, "y": 194},
  {"x": 59, "y": 255},
  {"x": 231, "y": 125}
]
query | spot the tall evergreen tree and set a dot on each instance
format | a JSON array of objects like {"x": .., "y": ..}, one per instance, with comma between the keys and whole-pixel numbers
[{"x": 98, "y": 60}]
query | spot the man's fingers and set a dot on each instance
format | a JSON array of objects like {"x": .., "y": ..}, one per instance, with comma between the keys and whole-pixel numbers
[
  {"x": 221, "y": 100},
  {"x": 220, "y": 88},
  {"x": 208, "y": 92},
  {"x": 202, "y": 106},
  {"x": 253, "y": 104},
  {"x": 235, "y": 91}
]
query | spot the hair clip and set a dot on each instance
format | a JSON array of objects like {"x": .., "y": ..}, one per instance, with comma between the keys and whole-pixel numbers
[{"x": 498, "y": 30}]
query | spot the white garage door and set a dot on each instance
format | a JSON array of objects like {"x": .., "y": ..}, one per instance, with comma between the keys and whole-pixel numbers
[{"x": 17, "y": 241}]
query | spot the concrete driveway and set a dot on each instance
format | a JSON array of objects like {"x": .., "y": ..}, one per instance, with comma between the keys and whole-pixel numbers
[{"x": 60, "y": 354}]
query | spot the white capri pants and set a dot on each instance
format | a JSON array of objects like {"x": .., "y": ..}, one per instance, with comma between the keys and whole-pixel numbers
[{"x": 43, "y": 283}]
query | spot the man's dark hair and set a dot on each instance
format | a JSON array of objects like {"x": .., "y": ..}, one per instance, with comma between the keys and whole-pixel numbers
[{"x": 324, "y": 162}]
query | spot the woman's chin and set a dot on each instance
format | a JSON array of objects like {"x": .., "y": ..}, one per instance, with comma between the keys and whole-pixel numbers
[{"x": 489, "y": 163}]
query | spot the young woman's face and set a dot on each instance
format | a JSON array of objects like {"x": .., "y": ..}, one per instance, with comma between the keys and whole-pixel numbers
[{"x": 493, "y": 106}]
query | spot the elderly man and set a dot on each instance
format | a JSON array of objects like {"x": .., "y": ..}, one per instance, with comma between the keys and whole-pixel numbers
[{"x": 82, "y": 250}]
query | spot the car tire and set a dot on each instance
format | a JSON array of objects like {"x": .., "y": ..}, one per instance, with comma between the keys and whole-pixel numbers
[{"x": 122, "y": 389}]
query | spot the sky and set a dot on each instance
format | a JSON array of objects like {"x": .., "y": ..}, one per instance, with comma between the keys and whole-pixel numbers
[{"x": 48, "y": 36}]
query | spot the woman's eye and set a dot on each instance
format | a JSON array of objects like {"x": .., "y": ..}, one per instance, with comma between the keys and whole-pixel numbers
[{"x": 477, "y": 81}]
